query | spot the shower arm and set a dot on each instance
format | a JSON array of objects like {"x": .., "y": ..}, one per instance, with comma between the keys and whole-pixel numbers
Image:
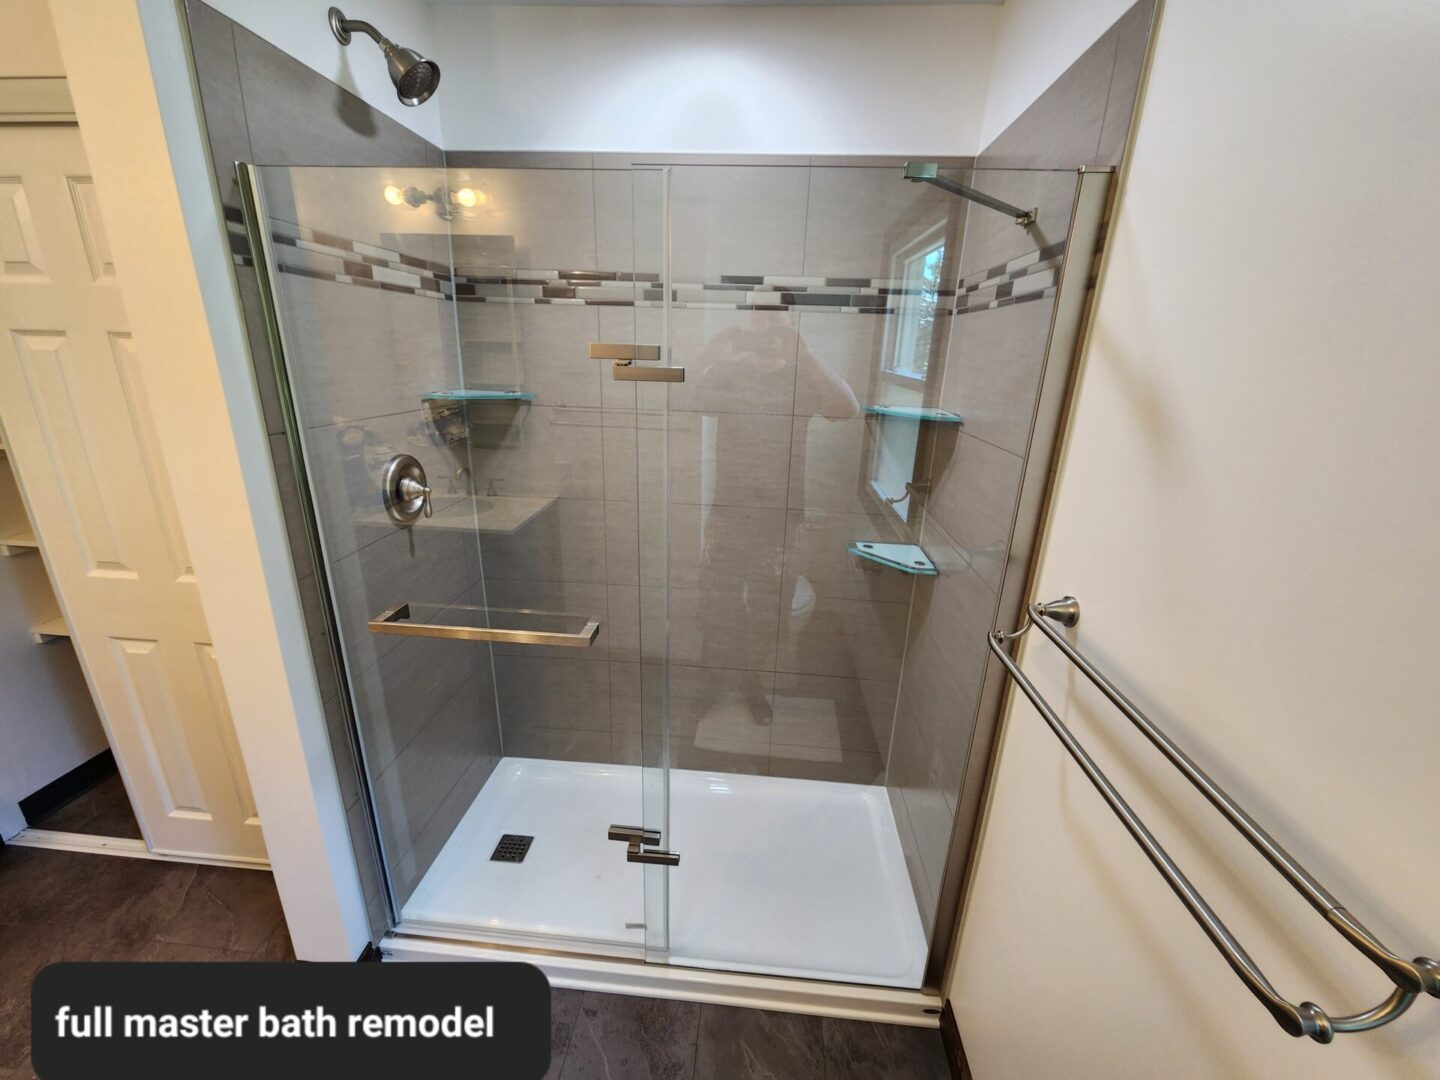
[
  {"x": 344, "y": 27},
  {"x": 928, "y": 172}
]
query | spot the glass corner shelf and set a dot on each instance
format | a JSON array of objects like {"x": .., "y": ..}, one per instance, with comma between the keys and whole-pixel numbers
[
  {"x": 907, "y": 558},
  {"x": 478, "y": 395},
  {"x": 915, "y": 412}
]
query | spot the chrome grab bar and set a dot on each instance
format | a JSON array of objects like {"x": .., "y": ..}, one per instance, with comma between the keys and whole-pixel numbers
[{"x": 1412, "y": 977}]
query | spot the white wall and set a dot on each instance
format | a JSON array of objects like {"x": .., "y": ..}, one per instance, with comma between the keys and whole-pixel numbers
[
  {"x": 1248, "y": 510},
  {"x": 784, "y": 80},
  {"x": 1035, "y": 41},
  {"x": 302, "y": 29}
]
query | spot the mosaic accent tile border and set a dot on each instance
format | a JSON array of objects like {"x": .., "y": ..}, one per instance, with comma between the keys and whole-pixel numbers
[{"x": 324, "y": 256}]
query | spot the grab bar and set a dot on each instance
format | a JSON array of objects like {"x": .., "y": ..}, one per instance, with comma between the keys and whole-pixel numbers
[{"x": 1421, "y": 975}]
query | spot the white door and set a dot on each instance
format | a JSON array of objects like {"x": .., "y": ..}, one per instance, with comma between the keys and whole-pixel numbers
[{"x": 81, "y": 439}]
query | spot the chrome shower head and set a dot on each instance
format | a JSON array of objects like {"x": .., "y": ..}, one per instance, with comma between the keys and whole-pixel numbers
[{"x": 414, "y": 76}]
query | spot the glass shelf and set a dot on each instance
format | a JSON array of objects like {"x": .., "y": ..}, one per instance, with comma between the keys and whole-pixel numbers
[
  {"x": 907, "y": 558},
  {"x": 479, "y": 395},
  {"x": 914, "y": 412}
]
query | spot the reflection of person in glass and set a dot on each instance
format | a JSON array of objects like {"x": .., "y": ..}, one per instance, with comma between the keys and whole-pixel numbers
[{"x": 756, "y": 348}]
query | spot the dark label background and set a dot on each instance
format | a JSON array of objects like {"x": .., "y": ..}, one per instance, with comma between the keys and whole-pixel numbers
[{"x": 519, "y": 993}]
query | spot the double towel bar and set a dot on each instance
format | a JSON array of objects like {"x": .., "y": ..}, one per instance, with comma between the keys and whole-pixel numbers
[{"x": 1411, "y": 977}]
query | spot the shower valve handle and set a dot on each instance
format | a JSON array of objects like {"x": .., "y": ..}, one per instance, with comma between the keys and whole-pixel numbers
[{"x": 413, "y": 489}]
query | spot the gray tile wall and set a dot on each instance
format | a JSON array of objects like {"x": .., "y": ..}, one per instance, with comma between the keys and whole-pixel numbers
[
  {"x": 786, "y": 652},
  {"x": 428, "y": 719},
  {"x": 951, "y": 688}
]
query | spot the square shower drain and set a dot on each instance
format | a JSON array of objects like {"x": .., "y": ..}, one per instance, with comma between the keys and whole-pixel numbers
[{"x": 512, "y": 848}]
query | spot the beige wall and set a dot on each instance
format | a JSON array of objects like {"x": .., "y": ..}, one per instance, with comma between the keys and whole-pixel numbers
[{"x": 1247, "y": 509}]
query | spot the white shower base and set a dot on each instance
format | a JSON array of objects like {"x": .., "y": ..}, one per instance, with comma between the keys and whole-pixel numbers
[{"x": 779, "y": 877}]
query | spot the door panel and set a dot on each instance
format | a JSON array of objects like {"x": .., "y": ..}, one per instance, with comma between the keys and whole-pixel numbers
[{"x": 81, "y": 437}]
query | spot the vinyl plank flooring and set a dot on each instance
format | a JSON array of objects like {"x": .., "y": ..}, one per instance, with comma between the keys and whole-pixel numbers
[
  {"x": 855, "y": 1050},
  {"x": 103, "y": 809},
  {"x": 756, "y": 1044},
  {"x": 632, "y": 1038},
  {"x": 60, "y": 906},
  {"x": 564, "y": 1008}
]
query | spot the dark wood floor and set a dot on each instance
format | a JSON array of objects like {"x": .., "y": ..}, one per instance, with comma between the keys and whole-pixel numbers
[
  {"x": 101, "y": 810},
  {"x": 66, "y": 906}
]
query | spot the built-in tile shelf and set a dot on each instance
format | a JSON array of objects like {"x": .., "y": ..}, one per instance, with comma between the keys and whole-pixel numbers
[
  {"x": 50, "y": 630},
  {"x": 914, "y": 412},
  {"x": 20, "y": 543},
  {"x": 907, "y": 558},
  {"x": 479, "y": 395}
]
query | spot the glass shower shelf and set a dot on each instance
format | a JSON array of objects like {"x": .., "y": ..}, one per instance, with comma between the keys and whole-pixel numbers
[
  {"x": 913, "y": 412},
  {"x": 479, "y": 395},
  {"x": 467, "y": 622},
  {"x": 907, "y": 558}
]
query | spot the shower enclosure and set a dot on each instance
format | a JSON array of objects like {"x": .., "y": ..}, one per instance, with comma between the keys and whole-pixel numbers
[{"x": 620, "y": 483}]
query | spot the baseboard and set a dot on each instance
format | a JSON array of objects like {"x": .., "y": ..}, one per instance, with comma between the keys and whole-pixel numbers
[
  {"x": 124, "y": 847},
  {"x": 62, "y": 789},
  {"x": 954, "y": 1048}
]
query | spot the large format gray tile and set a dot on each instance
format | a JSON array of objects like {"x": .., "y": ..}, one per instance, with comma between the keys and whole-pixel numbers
[
  {"x": 755, "y": 1044},
  {"x": 411, "y": 866},
  {"x": 972, "y": 505},
  {"x": 858, "y": 220},
  {"x": 856, "y": 1050},
  {"x": 549, "y": 215},
  {"x": 737, "y": 549},
  {"x": 830, "y": 465},
  {"x": 298, "y": 117},
  {"x": 993, "y": 371},
  {"x": 553, "y": 692},
  {"x": 410, "y": 789},
  {"x": 540, "y": 450},
  {"x": 634, "y": 1038},
  {"x": 212, "y": 42},
  {"x": 728, "y": 219},
  {"x": 992, "y": 239},
  {"x": 817, "y": 550},
  {"x": 359, "y": 353},
  {"x": 564, "y": 542},
  {"x": 722, "y": 629},
  {"x": 735, "y": 459},
  {"x": 735, "y": 361},
  {"x": 1061, "y": 128},
  {"x": 838, "y": 363},
  {"x": 395, "y": 696},
  {"x": 543, "y": 349},
  {"x": 833, "y": 713},
  {"x": 859, "y": 639},
  {"x": 1132, "y": 33}
]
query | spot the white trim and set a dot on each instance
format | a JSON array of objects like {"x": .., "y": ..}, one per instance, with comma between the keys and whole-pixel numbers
[
  {"x": 123, "y": 846},
  {"x": 845, "y": 1001}
]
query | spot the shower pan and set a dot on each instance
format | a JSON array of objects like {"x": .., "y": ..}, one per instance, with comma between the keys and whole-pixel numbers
[{"x": 617, "y": 483}]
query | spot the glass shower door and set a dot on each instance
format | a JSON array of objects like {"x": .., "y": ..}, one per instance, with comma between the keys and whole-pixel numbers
[{"x": 483, "y": 491}]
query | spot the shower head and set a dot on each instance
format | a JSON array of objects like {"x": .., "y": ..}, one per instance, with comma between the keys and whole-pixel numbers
[{"x": 414, "y": 76}]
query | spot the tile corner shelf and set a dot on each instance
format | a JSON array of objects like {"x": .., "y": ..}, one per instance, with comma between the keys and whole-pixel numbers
[
  {"x": 912, "y": 412},
  {"x": 19, "y": 543},
  {"x": 907, "y": 558},
  {"x": 478, "y": 395},
  {"x": 50, "y": 630}
]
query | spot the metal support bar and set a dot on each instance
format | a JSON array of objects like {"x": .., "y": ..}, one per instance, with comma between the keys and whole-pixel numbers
[
  {"x": 1410, "y": 977},
  {"x": 928, "y": 172}
]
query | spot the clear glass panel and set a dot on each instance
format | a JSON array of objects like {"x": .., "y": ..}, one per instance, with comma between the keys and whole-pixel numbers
[
  {"x": 836, "y": 534},
  {"x": 792, "y": 556},
  {"x": 495, "y": 642}
]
